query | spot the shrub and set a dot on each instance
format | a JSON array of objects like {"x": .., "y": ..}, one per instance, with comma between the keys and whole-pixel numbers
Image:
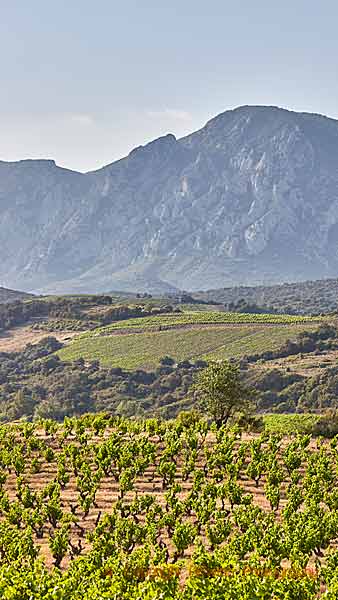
[{"x": 327, "y": 424}]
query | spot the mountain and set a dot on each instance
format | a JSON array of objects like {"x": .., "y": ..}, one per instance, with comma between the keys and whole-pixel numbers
[
  {"x": 251, "y": 198},
  {"x": 12, "y": 295}
]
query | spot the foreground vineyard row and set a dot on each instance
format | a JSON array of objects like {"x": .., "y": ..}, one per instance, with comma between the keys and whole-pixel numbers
[{"x": 103, "y": 508}]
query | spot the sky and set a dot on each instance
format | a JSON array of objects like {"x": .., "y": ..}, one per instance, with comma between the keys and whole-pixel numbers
[{"x": 83, "y": 82}]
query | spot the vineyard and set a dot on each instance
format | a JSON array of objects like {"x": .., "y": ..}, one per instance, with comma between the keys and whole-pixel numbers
[
  {"x": 100, "y": 508},
  {"x": 140, "y": 343},
  {"x": 201, "y": 318}
]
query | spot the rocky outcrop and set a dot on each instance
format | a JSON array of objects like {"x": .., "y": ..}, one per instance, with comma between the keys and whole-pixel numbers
[{"x": 250, "y": 198}]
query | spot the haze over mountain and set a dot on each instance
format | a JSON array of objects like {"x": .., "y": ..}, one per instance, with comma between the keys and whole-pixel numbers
[{"x": 250, "y": 198}]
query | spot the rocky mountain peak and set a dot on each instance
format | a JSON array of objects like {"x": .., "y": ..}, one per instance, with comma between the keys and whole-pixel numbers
[
  {"x": 158, "y": 148},
  {"x": 252, "y": 197}
]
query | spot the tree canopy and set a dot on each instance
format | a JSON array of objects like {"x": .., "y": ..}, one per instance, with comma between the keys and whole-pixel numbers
[{"x": 221, "y": 391}]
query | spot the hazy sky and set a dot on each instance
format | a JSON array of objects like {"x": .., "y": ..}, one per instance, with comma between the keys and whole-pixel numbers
[{"x": 85, "y": 81}]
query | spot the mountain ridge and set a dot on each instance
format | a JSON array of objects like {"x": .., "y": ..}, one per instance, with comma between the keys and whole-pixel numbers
[
  {"x": 251, "y": 198},
  {"x": 7, "y": 296}
]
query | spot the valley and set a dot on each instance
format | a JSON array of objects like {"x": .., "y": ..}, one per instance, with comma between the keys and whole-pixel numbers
[{"x": 63, "y": 356}]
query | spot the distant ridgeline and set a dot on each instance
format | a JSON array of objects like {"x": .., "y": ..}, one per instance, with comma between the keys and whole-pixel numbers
[
  {"x": 7, "y": 295},
  {"x": 308, "y": 297},
  {"x": 80, "y": 312}
]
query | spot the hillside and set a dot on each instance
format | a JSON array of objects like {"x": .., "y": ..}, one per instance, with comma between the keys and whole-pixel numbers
[
  {"x": 307, "y": 297},
  {"x": 144, "y": 350},
  {"x": 12, "y": 295},
  {"x": 62, "y": 356},
  {"x": 250, "y": 198}
]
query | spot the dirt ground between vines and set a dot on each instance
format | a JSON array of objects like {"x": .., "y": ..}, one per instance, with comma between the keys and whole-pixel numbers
[{"x": 149, "y": 483}]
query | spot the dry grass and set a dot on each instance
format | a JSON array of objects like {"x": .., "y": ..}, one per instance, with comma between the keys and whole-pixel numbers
[
  {"x": 308, "y": 365},
  {"x": 17, "y": 338}
]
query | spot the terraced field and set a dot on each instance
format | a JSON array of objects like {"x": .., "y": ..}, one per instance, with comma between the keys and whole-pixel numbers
[
  {"x": 201, "y": 318},
  {"x": 136, "y": 348}
]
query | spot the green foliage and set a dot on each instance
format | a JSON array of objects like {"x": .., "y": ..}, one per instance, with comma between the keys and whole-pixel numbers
[
  {"x": 35, "y": 383},
  {"x": 305, "y": 297},
  {"x": 203, "y": 537},
  {"x": 221, "y": 391},
  {"x": 290, "y": 424},
  {"x": 145, "y": 349},
  {"x": 200, "y": 318},
  {"x": 73, "y": 313},
  {"x": 327, "y": 424}
]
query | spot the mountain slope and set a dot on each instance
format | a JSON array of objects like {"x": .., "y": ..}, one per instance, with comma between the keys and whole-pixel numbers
[
  {"x": 12, "y": 295},
  {"x": 250, "y": 198}
]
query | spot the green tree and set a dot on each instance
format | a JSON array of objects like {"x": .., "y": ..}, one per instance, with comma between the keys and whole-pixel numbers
[{"x": 221, "y": 391}]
